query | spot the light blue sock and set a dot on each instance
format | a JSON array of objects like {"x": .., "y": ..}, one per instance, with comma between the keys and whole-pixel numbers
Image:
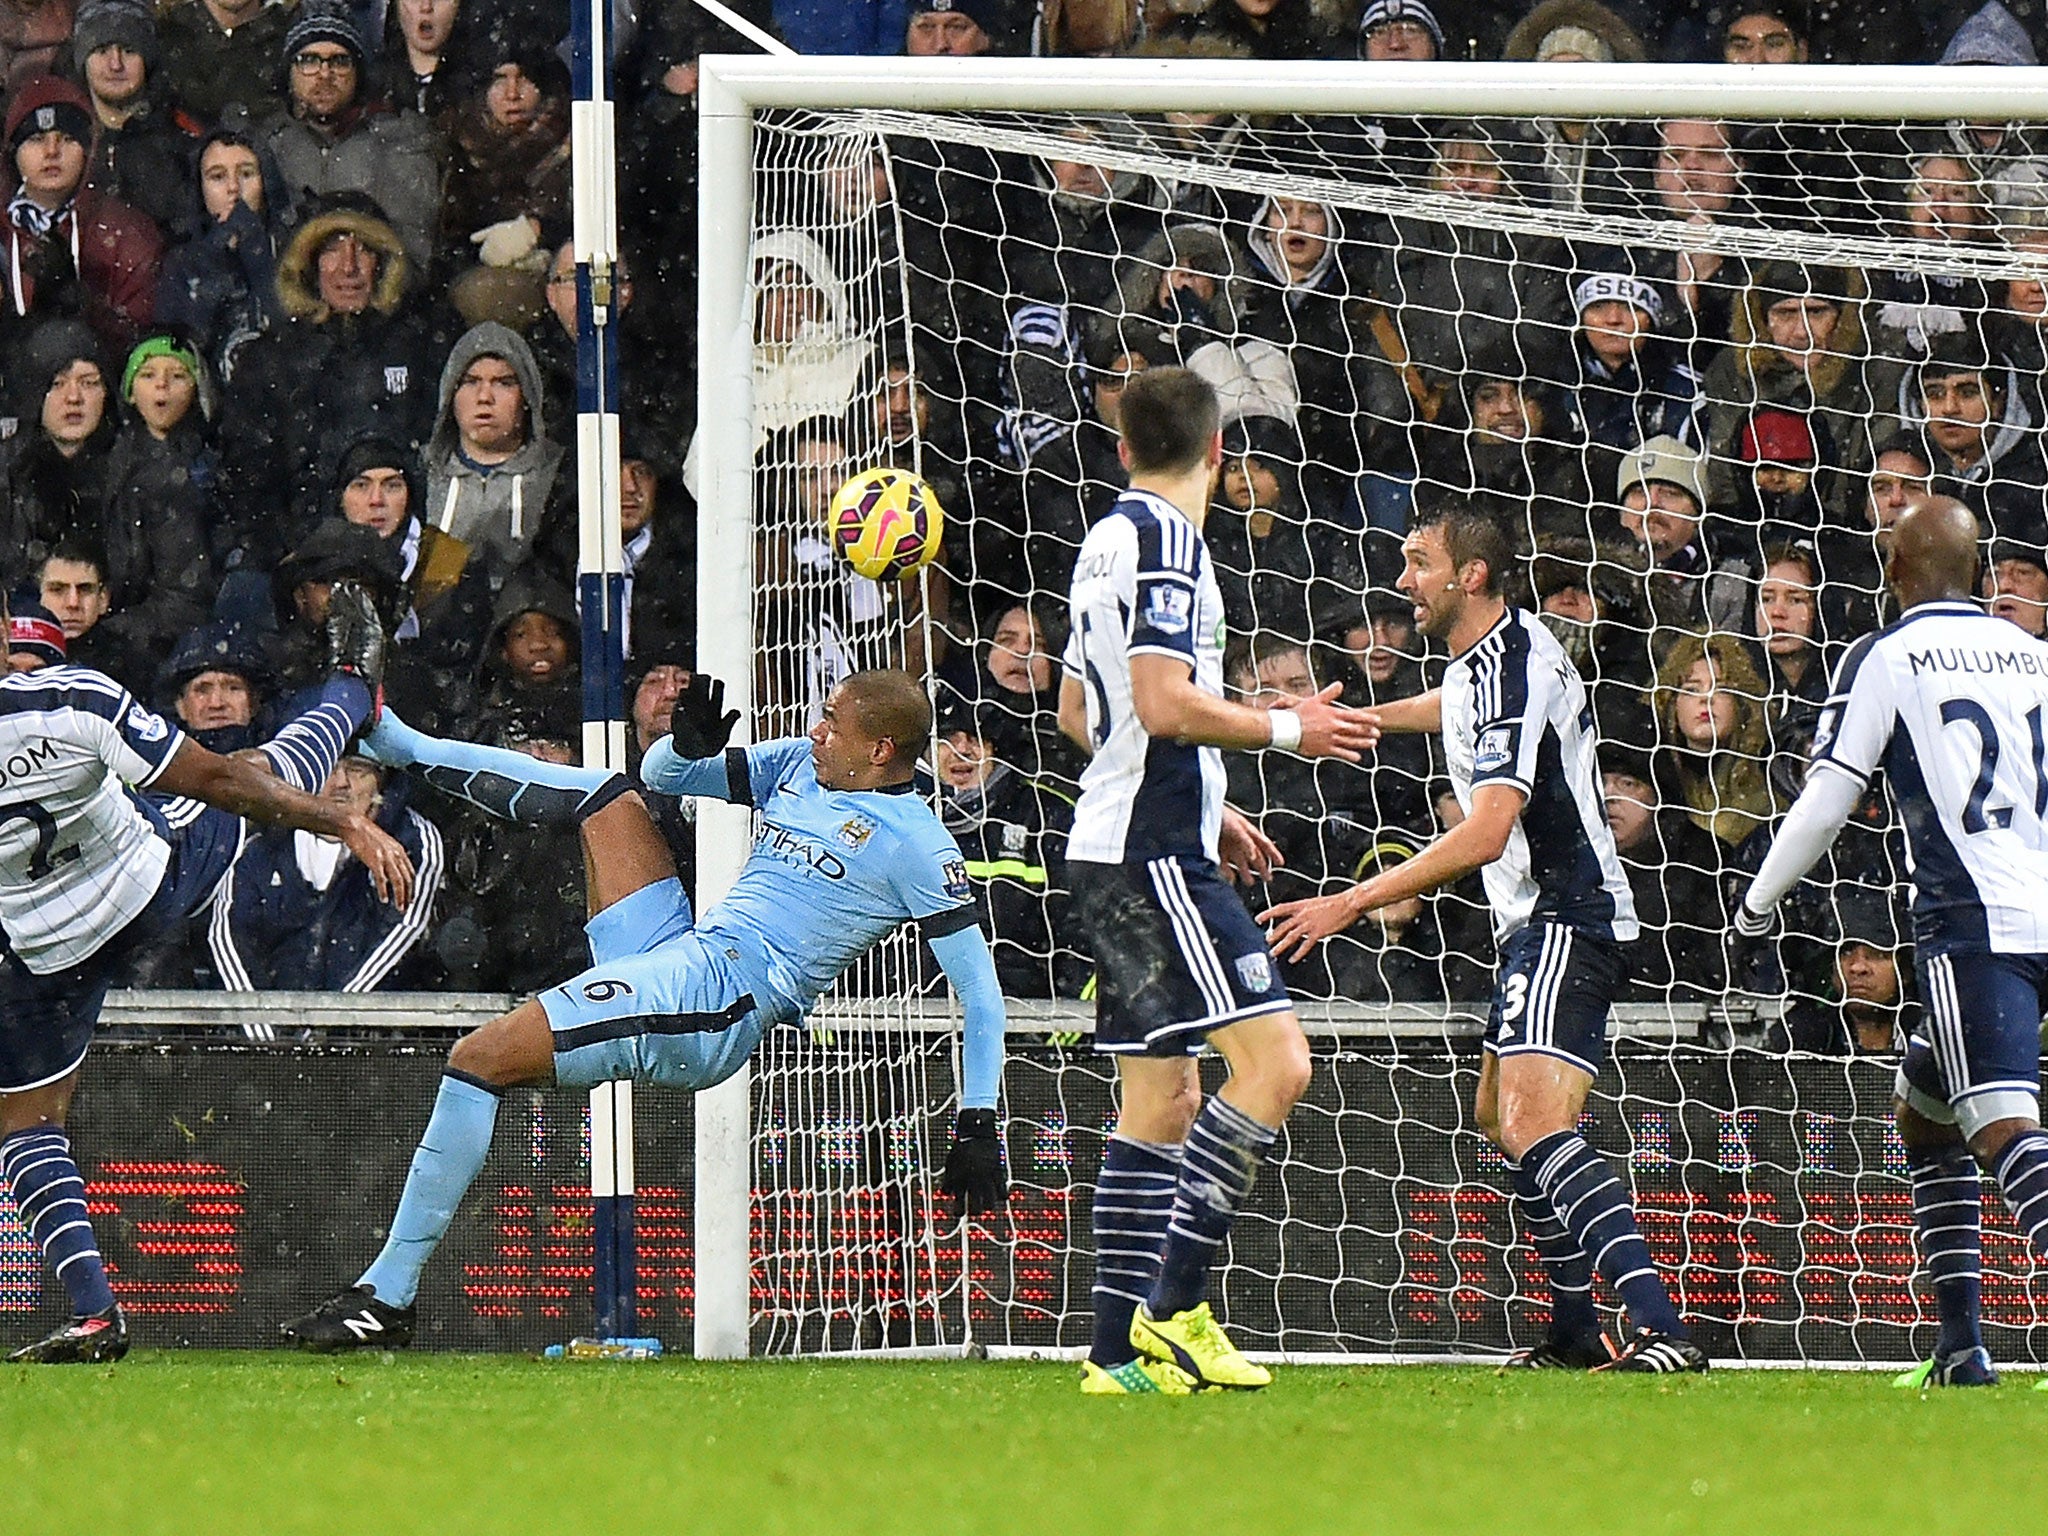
[
  {"x": 509, "y": 785},
  {"x": 305, "y": 751},
  {"x": 450, "y": 1153}
]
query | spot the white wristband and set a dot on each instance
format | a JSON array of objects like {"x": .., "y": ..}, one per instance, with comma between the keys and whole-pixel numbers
[{"x": 1286, "y": 729}]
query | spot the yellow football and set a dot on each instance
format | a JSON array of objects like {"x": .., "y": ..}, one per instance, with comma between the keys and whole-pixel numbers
[{"x": 886, "y": 523}]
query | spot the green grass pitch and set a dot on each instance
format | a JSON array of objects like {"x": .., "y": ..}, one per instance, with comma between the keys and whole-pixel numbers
[{"x": 224, "y": 1444}]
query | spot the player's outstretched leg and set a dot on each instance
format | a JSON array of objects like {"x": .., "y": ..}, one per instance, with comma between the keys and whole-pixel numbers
[
  {"x": 506, "y": 784},
  {"x": 49, "y": 1199},
  {"x": 1576, "y": 1341},
  {"x": 378, "y": 1311},
  {"x": 1233, "y": 1135}
]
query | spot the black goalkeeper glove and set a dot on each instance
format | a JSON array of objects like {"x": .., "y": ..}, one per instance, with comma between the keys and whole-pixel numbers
[
  {"x": 974, "y": 1167},
  {"x": 701, "y": 724}
]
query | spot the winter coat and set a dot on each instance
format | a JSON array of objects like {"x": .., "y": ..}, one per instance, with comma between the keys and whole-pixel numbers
[
  {"x": 134, "y": 503},
  {"x": 114, "y": 253},
  {"x": 496, "y": 174},
  {"x": 273, "y": 928},
  {"x": 392, "y": 157},
  {"x": 98, "y": 258},
  {"x": 320, "y": 381},
  {"x": 1282, "y": 570},
  {"x": 2008, "y": 487},
  {"x": 1326, "y": 324},
  {"x": 147, "y": 161},
  {"x": 1751, "y": 372},
  {"x": 1610, "y": 411},
  {"x": 219, "y": 285},
  {"x": 505, "y": 512},
  {"x": 1251, "y": 376},
  {"x": 207, "y": 67},
  {"x": 1675, "y": 879},
  {"x": 1012, "y": 831},
  {"x": 1058, "y": 259}
]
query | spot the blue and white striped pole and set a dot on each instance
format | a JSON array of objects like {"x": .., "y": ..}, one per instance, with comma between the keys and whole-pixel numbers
[{"x": 601, "y": 590}]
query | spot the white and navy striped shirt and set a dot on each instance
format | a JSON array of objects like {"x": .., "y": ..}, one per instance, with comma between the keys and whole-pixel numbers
[
  {"x": 1953, "y": 705},
  {"x": 79, "y": 858},
  {"x": 1143, "y": 585},
  {"x": 1515, "y": 712}
]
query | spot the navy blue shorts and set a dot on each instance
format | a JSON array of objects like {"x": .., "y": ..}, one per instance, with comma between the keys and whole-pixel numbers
[
  {"x": 46, "y": 1022},
  {"x": 1976, "y": 1055},
  {"x": 1176, "y": 955},
  {"x": 1552, "y": 995}
]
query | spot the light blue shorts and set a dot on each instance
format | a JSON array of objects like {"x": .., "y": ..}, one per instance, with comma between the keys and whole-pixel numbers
[{"x": 661, "y": 1003}]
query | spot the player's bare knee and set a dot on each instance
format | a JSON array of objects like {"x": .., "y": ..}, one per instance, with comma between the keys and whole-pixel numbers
[
  {"x": 512, "y": 1051},
  {"x": 1288, "y": 1071},
  {"x": 1989, "y": 1144}
]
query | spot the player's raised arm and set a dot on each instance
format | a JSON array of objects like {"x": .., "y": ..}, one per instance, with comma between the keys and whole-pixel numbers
[
  {"x": 692, "y": 759},
  {"x": 1298, "y": 926},
  {"x": 244, "y": 789}
]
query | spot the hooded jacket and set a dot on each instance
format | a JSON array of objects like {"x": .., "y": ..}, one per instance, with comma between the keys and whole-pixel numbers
[
  {"x": 504, "y": 512},
  {"x": 1751, "y": 372},
  {"x": 2008, "y": 487},
  {"x": 220, "y": 284},
  {"x": 98, "y": 257},
  {"x": 320, "y": 380},
  {"x": 1329, "y": 326},
  {"x": 814, "y": 373},
  {"x": 149, "y": 527}
]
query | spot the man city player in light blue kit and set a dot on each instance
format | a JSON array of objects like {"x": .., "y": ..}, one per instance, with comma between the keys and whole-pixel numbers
[{"x": 847, "y": 853}]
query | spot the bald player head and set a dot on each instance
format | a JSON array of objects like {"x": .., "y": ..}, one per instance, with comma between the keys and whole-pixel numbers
[{"x": 1933, "y": 552}]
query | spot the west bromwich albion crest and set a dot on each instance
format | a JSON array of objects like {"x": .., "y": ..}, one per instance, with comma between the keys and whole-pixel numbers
[
  {"x": 396, "y": 378},
  {"x": 855, "y": 831}
]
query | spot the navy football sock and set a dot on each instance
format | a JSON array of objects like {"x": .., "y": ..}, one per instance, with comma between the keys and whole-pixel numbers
[
  {"x": 1218, "y": 1165},
  {"x": 450, "y": 1155},
  {"x": 1133, "y": 1200},
  {"x": 49, "y": 1197},
  {"x": 1572, "y": 1315},
  {"x": 1948, "y": 1218},
  {"x": 305, "y": 751},
  {"x": 2023, "y": 1175},
  {"x": 507, "y": 784},
  {"x": 1594, "y": 1207}
]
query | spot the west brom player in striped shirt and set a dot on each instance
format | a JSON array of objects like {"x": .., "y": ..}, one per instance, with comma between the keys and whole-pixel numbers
[
  {"x": 1519, "y": 744},
  {"x": 1952, "y": 705},
  {"x": 90, "y": 870},
  {"x": 1179, "y": 959}
]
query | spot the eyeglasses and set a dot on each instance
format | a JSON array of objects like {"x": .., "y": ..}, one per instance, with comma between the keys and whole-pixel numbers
[{"x": 324, "y": 63}]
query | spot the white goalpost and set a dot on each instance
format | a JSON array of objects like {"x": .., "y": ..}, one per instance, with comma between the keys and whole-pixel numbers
[{"x": 872, "y": 206}]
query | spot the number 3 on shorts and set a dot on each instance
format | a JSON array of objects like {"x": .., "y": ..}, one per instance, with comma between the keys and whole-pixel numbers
[{"x": 1514, "y": 993}]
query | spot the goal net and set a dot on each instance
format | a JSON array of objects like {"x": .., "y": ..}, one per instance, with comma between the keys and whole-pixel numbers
[{"x": 1695, "y": 347}]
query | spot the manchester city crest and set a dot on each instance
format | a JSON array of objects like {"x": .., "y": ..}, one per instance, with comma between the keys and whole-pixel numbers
[{"x": 855, "y": 831}]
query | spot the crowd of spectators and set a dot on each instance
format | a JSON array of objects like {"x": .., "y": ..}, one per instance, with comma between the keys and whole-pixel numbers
[{"x": 287, "y": 298}]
